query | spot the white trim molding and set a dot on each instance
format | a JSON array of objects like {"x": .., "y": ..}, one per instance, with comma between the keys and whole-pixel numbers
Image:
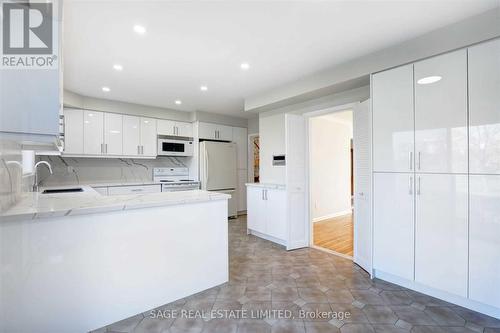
[{"x": 331, "y": 216}]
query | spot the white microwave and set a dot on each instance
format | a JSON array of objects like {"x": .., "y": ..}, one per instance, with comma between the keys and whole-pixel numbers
[{"x": 175, "y": 147}]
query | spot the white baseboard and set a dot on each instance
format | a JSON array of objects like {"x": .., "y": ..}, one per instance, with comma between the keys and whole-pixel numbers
[{"x": 331, "y": 216}]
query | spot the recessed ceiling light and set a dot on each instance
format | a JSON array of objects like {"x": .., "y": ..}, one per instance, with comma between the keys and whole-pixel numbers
[
  {"x": 139, "y": 29},
  {"x": 429, "y": 79},
  {"x": 203, "y": 88},
  {"x": 106, "y": 89},
  {"x": 118, "y": 67},
  {"x": 178, "y": 102},
  {"x": 245, "y": 66}
]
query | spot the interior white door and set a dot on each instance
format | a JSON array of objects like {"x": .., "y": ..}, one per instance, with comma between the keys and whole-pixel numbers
[
  {"x": 393, "y": 223},
  {"x": 131, "y": 135},
  {"x": 113, "y": 134},
  {"x": 93, "y": 132},
  {"x": 484, "y": 264},
  {"x": 484, "y": 108},
  {"x": 393, "y": 140},
  {"x": 441, "y": 114},
  {"x": 296, "y": 206},
  {"x": 362, "y": 185},
  {"x": 219, "y": 166},
  {"x": 73, "y": 131},
  {"x": 275, "y": 219},
  {"x": 441, "y": 239},
  {"x": 148, "y": 137},
  {"x": 256, "y": 218}
]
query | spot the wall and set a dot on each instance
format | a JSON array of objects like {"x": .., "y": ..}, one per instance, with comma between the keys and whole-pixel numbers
[
  {"x": 469, "y": 31},
  {"x": 71, "y": 171},
  {"x": 253, "y": 125},
  {"x": 272, "y": 142},
  {"x": 330, "y": 165}
]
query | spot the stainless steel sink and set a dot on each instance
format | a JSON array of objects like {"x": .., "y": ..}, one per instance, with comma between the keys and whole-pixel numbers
[{"x": 63, "y": 190}]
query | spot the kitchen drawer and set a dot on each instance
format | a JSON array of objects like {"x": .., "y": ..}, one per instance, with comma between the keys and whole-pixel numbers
[{"x": 117, "y": 190}]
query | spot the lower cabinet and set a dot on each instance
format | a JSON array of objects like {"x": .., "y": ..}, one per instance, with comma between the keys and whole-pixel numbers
[
  {"x": 441, "y": 238},
  {"x": 484, "y": 256},
  {"x": 266, "y": 209},
  {"x": 393, "y": 219}
]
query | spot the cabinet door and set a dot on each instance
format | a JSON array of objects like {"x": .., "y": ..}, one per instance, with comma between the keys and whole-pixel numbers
[
  {"x": 184, "y": 129},
  {"x": 131, "y": 135},
  {"x": 166, "y": 127},
  {"x": 93, "y": 132},
  {"x": 393, "y": 223},
  {"x": 441, "y": 114},
  {"x": 276, "y": 213},
  {"x": 241, "y": 192},
  {"x": 393, "y": 140},
  {"x": 73, "y": 131},
  {"x": 224, "y": 133},
  {"x": 206, "y": 131},
  {"x": 240, "y": 137},
  {"x": 148, "y": 137},
  {"x": 113, "y": 132},
  {"x": 256, "y": 214},
  {"x": 441, "y": 238},
  {"x": 484, "y": 108},
  {"x": 484, "y": 265}
]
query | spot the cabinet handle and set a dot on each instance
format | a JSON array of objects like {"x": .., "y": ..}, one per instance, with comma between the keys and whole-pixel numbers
[
  {"x": 419, "y": 154},
  {"x": 138, "y": 150},
  {"x": 411, "y": 160},
  {"x": 173, "y": 129},
  {"x": 410, "y": 185},
  {"x": 106, "y": 148},
  {"x": 266, "y": 194},
  {"x": 142, "y": 150},
  {"x": 102, "y": 149},
  {"x": 263, "y": 194},
  {"x": 418, "y": 186}
]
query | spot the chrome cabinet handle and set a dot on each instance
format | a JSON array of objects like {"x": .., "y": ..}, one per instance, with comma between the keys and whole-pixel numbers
[
  {"x": 138, "y": 150},
  {"x": 102, "y": 150},
  {"x": 410, "y": 185},
  {"x": 418, "y": 186},
  {"x": 411, "y": 160},
  {"x": 136, "y": 190},
  {"x": 142, "y": 150},
  {"x": 106, "y": 148},
  {"x": 263, "y": 194},
  {"x": 419, "y": 154}
]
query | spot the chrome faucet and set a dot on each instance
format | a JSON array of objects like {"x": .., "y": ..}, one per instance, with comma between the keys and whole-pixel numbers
[{"x": 35, "y": 183}]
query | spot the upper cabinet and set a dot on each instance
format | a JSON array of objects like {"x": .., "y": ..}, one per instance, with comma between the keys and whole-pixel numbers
[
  {"x": 93, "y": 133},
  {"x": 441, "y": 113},
  {"x": 175, "y": 128},
  {"x": 211, "y": 131},
  {"x": 393, "y": 140},
  {"x": 484, "y": 108}
]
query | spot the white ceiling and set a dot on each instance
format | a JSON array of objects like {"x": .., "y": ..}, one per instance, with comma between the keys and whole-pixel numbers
[{"x": 189, "y": 44}]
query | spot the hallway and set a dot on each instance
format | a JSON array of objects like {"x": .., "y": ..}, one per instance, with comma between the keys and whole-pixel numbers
[
  {"x": 335, "y": 234},
  {"x": 263, "y": 276}
]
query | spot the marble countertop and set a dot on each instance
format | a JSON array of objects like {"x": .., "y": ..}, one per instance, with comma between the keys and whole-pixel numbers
[
  {"x": 37, "y": 206},
  {"x": 268, "y": 185}
]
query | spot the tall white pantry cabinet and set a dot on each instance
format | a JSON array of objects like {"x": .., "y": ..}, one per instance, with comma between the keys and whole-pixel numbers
[{"x": 436, "y": 165}]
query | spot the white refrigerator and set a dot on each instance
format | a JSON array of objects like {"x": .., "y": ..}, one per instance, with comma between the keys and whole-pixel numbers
[{"x": 218, "y": 170}]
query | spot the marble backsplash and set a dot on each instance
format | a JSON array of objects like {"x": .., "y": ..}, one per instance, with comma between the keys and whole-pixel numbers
[
  {"x": 71, "y": 171},
  {"x": 12, "y": 181}
]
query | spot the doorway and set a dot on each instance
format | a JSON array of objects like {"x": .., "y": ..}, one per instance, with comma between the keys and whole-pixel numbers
[
  {"x": 331, "y": 181},
  {"x": 253, "y": 158}
]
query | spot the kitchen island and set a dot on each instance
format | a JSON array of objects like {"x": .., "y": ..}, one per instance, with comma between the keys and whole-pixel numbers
[{"x": 76, "y": 262}]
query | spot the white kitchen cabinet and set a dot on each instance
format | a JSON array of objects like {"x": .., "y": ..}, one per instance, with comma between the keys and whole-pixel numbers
[
  {"x": 113, "y": 132},
  {"x": 148, "y": 137},
  {"x": 441, "y": 239},
  {"x": 93, "y": 132},
  {"x": 211, "y": 131},
  {"x": 240, "y": 137},
  {"x": 441, "y": 114},
  {"x": 73, "y": 131},
  {"x": 484, "y": 264},
  {"x": 484, "y": 108},
  {"x": 393, "y": 219},
  {"x": 267, "y": 211},
  {"x": 241, "y": 190},
  {"x": 393, "y": 140},
  {"x": 131, "y": 135},
  {"x": 175, "y": 128},
  {"x": 256, "y": 209}
]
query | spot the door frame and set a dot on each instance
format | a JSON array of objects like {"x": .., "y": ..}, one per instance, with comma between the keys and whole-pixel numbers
[
  {"x": 250, "y": 153},
  {"x": 310, "y": 223}
]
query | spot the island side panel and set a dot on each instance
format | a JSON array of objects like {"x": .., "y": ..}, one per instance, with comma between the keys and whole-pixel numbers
[{"x": 78, "y": 273}]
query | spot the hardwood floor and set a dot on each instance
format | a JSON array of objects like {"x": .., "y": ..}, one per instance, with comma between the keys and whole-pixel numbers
[{"x": 335, "y": 234}]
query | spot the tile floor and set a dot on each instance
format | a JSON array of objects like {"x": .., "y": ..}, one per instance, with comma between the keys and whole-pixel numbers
[{"x": 265, "y": 276}]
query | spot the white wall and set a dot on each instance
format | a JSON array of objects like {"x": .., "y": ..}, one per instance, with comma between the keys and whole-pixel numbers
[
  {"x": 272, "y": 142},
  {"x": 330, "y": 164}
]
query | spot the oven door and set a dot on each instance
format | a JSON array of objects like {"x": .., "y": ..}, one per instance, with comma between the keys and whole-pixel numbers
[{"x": 168, "y": 147}]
